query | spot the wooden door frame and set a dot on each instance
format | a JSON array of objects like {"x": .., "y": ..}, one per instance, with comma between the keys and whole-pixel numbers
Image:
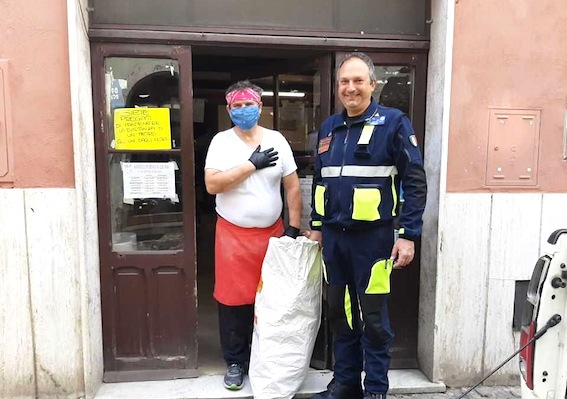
[
  {"x": 182, "y": 53},
  {"x": 187, "y": 256}
]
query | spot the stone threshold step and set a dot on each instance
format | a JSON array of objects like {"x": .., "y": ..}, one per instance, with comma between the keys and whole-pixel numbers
[{"x": 211, "y": 387}]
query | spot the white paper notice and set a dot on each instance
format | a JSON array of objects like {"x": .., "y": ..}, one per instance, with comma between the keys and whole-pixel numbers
[{"x": 149, "y": 179}]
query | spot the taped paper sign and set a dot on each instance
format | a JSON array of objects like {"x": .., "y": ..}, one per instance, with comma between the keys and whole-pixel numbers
[
  {"x": 149, "y": 180},
  {"x": 142, "y": 129}
]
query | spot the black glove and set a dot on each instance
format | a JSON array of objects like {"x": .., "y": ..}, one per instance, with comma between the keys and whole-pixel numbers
[
  {"x": 291, "y": 231},
  {"x": 263, "y": 159}
]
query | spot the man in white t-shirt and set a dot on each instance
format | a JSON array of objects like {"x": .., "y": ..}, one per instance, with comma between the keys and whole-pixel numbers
[{"x": 245, "y": 167}]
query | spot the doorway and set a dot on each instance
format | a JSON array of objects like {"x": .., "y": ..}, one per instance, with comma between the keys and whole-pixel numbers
[
  {"x": 298, "y": 93},
  {"x": 292, "y": 103},
  {"x": 157, "y": 248}
]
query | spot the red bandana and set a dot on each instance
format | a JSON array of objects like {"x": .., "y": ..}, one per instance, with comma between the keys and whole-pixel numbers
[{"x": 242, "y": 95}]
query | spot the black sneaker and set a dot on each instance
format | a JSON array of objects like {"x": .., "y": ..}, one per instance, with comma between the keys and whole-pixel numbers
[
  {"x": 234, "y": 377},
  {"x": 340, "y": 391}
]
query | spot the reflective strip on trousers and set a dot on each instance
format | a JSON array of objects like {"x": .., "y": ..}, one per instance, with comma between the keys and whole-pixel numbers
[{"x": 348, "y": 307}]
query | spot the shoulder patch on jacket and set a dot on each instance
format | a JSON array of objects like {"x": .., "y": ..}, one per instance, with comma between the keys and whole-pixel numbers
[{"x": 324, "y": 145}]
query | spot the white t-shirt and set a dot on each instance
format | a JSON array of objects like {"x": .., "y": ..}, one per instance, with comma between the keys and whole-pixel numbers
[{"x": 257, "y": 201}]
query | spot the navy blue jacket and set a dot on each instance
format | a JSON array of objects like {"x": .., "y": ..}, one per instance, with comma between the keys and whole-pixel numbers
[{"x": 359, "y": 170}]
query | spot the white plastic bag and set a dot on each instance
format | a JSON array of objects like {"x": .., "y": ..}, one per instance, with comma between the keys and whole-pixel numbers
[{"x": 287, "y": 316}]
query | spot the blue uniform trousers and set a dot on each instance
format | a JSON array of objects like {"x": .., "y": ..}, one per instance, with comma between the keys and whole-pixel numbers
[{"x": 358, "y": 273}]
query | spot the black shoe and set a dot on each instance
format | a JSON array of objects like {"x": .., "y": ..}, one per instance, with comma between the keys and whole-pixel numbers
[
  {"x": 234, "y": 377},
  {"x": 374, "y": 396},
  {"x": 340, "y": 391}
]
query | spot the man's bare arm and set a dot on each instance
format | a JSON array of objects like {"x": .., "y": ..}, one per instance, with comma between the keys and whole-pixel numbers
[
  {"x": 293, "y": 198},
  {"x": 220, "y": 182}
]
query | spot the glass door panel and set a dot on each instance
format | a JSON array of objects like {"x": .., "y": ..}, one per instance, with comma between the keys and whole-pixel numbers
[
  {"x": 146, "y": 202},
  {"x": 134, "y": 84},
  {"x": 144, "y": 160},
  {"x": 394, "y": 87}
]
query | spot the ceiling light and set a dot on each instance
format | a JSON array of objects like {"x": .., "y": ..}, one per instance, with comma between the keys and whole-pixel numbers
[{"x": 298, "y": 94}]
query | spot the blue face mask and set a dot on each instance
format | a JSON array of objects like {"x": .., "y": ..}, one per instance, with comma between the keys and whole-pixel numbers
[{"x": 246, "y": 117}]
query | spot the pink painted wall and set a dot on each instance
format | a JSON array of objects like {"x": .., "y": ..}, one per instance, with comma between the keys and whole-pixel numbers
[
  {"x": 507, "y": 54},
  {"x": 33, "y": 37}
]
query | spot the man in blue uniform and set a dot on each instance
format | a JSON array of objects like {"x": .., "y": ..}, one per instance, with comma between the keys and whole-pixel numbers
[{"x": 364, "y": 155}]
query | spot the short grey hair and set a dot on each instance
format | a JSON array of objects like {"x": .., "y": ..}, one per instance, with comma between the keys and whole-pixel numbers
[{"x": 364, "y": 58}]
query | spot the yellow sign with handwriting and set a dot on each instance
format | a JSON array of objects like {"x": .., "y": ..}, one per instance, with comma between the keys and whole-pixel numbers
[{"x": 142, "y": 129}]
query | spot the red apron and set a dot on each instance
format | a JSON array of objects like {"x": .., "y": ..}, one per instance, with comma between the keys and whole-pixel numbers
[{"x": 239, "y": 253}]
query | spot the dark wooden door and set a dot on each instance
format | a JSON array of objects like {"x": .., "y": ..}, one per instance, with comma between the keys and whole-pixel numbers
[
  {"x": 402, "y": 84},
  {"x": 146, "y": 210}
]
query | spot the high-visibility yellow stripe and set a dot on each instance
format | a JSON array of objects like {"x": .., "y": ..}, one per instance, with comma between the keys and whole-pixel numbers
[
  {"x": 320, "y": 200},
  {"x": 348, "y": 308},
  {"x": 316, "y": 223},
  {"x": 365, "y": 203},
  {"x": 366, "y": 135},
  {"x": 394, "y": 196},
  {"x": 379, "y": 282}
]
